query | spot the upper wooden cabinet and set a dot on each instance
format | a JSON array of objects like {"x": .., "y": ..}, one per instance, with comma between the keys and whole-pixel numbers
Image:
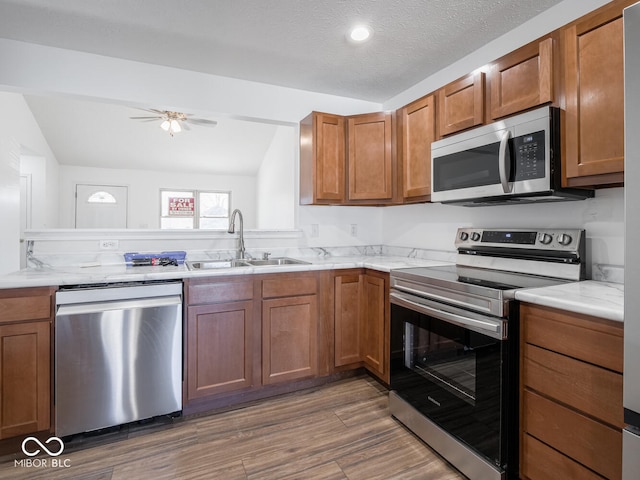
[
  {"x": 522, "y": 80},
  {"x": 322, "y": 159},
  {"x": 594, "y": 84},
  {"x": 370, "y": 161},
  {"x": 461, "y": 104},
  {"x": 347, "y": 160},
  {"x": 417, "y": 129}
]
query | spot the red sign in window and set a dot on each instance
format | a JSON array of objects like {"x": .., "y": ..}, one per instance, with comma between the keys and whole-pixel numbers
[{"x": 181, "y": 207}]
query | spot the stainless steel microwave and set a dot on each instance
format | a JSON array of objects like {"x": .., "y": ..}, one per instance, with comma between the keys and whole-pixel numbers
[{"x": 515, "y": 160}]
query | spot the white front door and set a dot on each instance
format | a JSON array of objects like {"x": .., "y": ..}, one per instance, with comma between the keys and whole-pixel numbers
[{"x": 101, "y": 206}]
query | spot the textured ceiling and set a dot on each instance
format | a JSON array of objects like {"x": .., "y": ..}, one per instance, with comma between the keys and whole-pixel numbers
[{"x": 293, "y": 43}]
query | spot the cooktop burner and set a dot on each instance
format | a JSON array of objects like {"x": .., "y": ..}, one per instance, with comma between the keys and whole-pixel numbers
[{"x": 493, "y": 279}]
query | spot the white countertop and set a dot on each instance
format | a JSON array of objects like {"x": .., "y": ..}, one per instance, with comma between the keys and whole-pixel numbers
[
  {"x": 599, "y": 299},
  {"x": 76, "y": 275}
]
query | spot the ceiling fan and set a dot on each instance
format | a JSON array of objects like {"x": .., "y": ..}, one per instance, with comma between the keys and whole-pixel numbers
[{"x": 174, "y": 122}]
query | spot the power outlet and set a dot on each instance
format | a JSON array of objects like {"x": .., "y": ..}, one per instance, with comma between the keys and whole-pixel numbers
[
  {"x": 108, "y": 244},
  {"x": 315, "y": 230},
  {"x": 354, "y": 229}
]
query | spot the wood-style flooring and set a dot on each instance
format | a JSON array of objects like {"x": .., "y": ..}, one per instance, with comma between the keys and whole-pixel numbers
[{"x": 338, "y": 431}]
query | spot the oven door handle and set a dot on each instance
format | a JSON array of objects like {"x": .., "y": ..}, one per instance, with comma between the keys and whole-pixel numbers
[{"x": 493, "y": 329}]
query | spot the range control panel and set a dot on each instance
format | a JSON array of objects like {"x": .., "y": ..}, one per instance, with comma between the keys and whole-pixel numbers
[{"x": 539, "y": 239}]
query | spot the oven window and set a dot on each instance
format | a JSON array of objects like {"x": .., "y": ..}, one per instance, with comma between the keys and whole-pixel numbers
[{"x": 446, "y": 358}]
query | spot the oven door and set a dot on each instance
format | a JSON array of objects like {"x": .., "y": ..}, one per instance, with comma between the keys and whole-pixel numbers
[{"x": 452, "y": 366}]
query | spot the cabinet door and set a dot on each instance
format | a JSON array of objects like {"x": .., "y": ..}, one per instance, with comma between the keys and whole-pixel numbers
[
  {"x": 289, "y": 338},
  {"x": 461, "y": 104},
  {"x": 25, "y": 370},
  {"x": 594, "y": 120},
  {"x": 417, "y": 130},
  {"x": 219, "y": 348},
  {"x": 523, "y": 79},
  {"x": 370, "y": 162},
  {"x": 322, "y": 159},
  {"x": 375, "y": 325},
  {"x": 347, "y": 319}
]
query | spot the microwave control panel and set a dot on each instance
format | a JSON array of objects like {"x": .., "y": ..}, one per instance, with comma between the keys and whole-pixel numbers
[{"x": 528, "y": 152}]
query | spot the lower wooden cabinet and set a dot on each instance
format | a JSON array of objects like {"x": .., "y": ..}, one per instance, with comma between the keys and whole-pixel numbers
[
  {"x": 361, "y": 321},
  {"x": 571, "y": 398},
  {"x": 375, "y": 324},
  {"x": 289, "y": 338},
  {"x": 220, "y": 337},
  {"x": 347, "y": 318},
  {"x": 220, "y": 348},
  {"x": 251, "y": 336},
  {"x": 25, "y": 361}
]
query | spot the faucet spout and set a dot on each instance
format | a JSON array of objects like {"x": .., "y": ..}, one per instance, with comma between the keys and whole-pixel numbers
[{"x": 241, "y": 253}]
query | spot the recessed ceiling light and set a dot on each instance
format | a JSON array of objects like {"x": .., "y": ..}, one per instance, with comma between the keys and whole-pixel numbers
[{"x": 360, "y": 33}]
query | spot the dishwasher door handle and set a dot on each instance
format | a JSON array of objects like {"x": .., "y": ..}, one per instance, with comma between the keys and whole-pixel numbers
[{"x": 99, "y": 307}]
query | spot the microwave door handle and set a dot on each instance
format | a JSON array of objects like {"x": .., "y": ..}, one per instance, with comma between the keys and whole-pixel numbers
[{"x": 504, "y": 162}]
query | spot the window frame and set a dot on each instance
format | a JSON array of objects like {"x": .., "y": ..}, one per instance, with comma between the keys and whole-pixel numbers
[{"x": 196, "y": 212}]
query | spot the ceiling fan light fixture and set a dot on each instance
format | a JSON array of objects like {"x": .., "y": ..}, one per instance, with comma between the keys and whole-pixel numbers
[
  {"x": 175, "y": 126},
  {"x": 165, "y": 125}
]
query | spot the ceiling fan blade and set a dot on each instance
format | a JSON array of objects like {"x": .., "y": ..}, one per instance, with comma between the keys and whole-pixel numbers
[
  {"x": 154, "y": 110},
  {"x": 202, "y": 121},
  {"x": 148, "y": 119}
]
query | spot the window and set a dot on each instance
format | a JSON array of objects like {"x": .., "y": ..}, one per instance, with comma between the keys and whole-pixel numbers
[{"x": 188, "y": 209}]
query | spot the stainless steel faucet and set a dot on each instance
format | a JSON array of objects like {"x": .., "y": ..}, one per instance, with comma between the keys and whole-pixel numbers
[{"x": 232, "y": 228}]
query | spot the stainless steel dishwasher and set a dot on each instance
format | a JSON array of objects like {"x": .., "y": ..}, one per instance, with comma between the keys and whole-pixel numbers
[{"x": 118, "y": 355}]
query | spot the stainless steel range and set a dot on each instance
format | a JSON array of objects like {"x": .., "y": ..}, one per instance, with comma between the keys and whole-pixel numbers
[{"x": 454, "y": 342}]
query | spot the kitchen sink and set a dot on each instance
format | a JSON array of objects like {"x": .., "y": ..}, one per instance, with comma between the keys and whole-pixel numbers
[
  {"x": 277, "y": 261},
  {"x": 214, "y": 264}
]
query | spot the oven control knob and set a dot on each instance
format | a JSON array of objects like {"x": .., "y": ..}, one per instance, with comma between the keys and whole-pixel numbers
[
  {"x": 464, "y": 236},
  {"x": 564, "y": 239},
  {"x": 475, "y": 236},
  {"x": 545, "y": 238}
]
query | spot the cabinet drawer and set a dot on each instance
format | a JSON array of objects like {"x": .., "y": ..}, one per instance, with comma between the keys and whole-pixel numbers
[
  {"x": 289, "y": 285},
  {"x": 26, "y": 307},
  {"x": 541, "y": 462},
  {"x": 219, "y": 291},
  {"x": 590, "y": 389},
  {"x": 586, "y": 338},
  {"x": 591, "y": 443}
]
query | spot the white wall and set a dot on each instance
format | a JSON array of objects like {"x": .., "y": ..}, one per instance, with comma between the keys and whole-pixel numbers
[
  {"x": 144, "y": 191},
  {"x": 35, "y": 166},
  {"x": 433, "y": 226},
  {"x": 18, "y": 122},
  {"x": 275, "y": 182},
  {"x": 9, "y": 205}
]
